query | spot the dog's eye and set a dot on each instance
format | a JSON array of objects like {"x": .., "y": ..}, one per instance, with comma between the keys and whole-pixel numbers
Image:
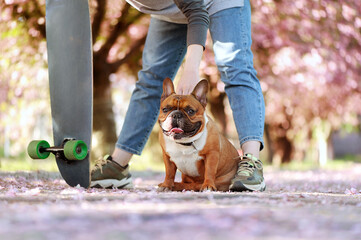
[
  {"x": 191, "y": 112},
  {"x": 165, "y": 110}
]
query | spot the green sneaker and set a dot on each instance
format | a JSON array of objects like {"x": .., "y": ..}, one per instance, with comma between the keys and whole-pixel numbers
[
  {"x": 109, "y": 174},
  {"x": 249, "y": 176}
]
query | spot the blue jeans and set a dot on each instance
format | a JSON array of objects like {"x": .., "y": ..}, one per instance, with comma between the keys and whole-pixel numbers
[{"x": 163, "y": 53}]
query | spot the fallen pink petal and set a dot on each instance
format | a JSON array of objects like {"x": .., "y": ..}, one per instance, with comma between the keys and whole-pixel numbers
[
  {"x": 352, "y": 191},
  {"x": 295, "y": 205},
  {"x": 32, "y": 192}
]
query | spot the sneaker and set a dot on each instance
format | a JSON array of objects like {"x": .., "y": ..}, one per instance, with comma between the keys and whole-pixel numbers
[
  {"x": 109, "y": 174},
  {"x": 249, "y": 176}
]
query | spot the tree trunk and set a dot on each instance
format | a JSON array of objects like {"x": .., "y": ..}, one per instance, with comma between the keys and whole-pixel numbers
[
  {"x": 283, "y": 148},
  {"x": 270, "y": 150},
  {"x": 330, "y": 148},
  {"x": 104, "y": 127}
]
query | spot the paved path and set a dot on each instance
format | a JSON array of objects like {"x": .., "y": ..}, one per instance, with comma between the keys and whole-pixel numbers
[{"x": 319, "y": 204}]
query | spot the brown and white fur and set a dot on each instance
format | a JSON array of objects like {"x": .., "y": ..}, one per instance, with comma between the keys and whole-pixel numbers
[{"x": 192, "y": 144}]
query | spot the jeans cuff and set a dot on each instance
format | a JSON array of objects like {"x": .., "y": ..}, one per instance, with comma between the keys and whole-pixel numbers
[
  {"x": 128, "y": 149},
  {"x": 252, "y": 138}
]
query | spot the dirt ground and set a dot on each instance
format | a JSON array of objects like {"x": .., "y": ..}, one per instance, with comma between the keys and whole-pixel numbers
[{"x": 317, "y": 204}]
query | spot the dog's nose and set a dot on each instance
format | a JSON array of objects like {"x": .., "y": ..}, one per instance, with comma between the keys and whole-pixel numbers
[{"x": 177, "y": 114}]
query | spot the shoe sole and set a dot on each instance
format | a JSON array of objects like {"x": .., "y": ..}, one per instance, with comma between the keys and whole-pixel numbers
[
  {"x": 112, "y": 183},
  {"x": 238, "y": 186}
]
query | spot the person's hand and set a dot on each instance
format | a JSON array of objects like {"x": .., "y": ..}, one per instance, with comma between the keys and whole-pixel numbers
[
  {"x": 190, "y": 76},
  {"x": 187, "y": 82}
]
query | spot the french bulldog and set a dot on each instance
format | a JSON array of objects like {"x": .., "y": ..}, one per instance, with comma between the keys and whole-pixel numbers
[{"x": 191, "y": 143}]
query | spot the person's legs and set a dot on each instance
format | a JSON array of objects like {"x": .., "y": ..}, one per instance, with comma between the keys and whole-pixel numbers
[
  {"x": 234, "y": 58},
  {"x": 163, "y": 53}
]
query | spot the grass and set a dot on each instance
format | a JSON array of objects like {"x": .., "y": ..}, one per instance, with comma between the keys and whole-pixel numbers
[
  {"x": 13, "y": 164},
  {"x": 335, "y": 164},
  {"x": 150, "y": 160},
  {"x": 25, "y": 163}
]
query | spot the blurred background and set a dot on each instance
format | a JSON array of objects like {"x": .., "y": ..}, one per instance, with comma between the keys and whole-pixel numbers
[{"x": 307, "y": 54}]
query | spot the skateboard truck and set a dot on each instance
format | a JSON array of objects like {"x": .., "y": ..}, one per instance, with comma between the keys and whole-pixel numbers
[{"x": 70, "y": 149}]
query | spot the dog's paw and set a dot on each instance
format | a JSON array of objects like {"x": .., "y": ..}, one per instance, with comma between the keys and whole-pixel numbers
[
  {"x": 164, "y": 188},
  {"x": 208, "y": 188}
]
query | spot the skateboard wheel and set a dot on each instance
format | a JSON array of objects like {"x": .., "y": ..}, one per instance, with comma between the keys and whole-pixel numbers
[
  {"x": 35, "y": 149},
  {"x": 75, "y": 150}
]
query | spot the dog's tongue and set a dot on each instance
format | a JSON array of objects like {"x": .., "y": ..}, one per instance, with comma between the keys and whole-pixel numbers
[{"x": 176, "y": 130}]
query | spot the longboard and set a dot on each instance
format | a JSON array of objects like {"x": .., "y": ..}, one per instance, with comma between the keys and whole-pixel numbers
[{"x": 68, "y": 35}]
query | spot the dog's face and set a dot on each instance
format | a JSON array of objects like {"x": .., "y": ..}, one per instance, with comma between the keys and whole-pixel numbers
[{"x": 182, "y": 116}]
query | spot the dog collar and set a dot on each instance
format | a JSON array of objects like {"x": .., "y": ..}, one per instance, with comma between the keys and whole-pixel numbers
[{"x": 188, "y": 144}]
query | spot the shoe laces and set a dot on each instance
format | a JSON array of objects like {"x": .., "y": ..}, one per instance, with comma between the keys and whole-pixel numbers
[
  {"x": 248, "y": 165},
  {"x": 101, "y": 162}
]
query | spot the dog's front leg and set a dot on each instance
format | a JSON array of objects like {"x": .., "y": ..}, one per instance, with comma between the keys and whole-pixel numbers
[
  {"x": 170, "y": 171},
  {"x": 211, "y": 165}
]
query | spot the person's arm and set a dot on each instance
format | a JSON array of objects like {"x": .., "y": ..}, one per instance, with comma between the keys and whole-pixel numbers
[
  {"x": 190, "y": 75},
  {"x": 198, "y": 21}
]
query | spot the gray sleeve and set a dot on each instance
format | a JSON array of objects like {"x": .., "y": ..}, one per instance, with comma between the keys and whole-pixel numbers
[{"x": 198, "y": 20}]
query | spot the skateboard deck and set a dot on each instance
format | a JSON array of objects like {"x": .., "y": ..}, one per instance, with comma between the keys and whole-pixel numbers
[{"x": 68, "y": 35}]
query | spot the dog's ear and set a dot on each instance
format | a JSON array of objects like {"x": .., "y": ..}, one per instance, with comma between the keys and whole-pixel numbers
[
  {"x": 200, "y": 92},
  {"x": 168, "y": 88}
]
